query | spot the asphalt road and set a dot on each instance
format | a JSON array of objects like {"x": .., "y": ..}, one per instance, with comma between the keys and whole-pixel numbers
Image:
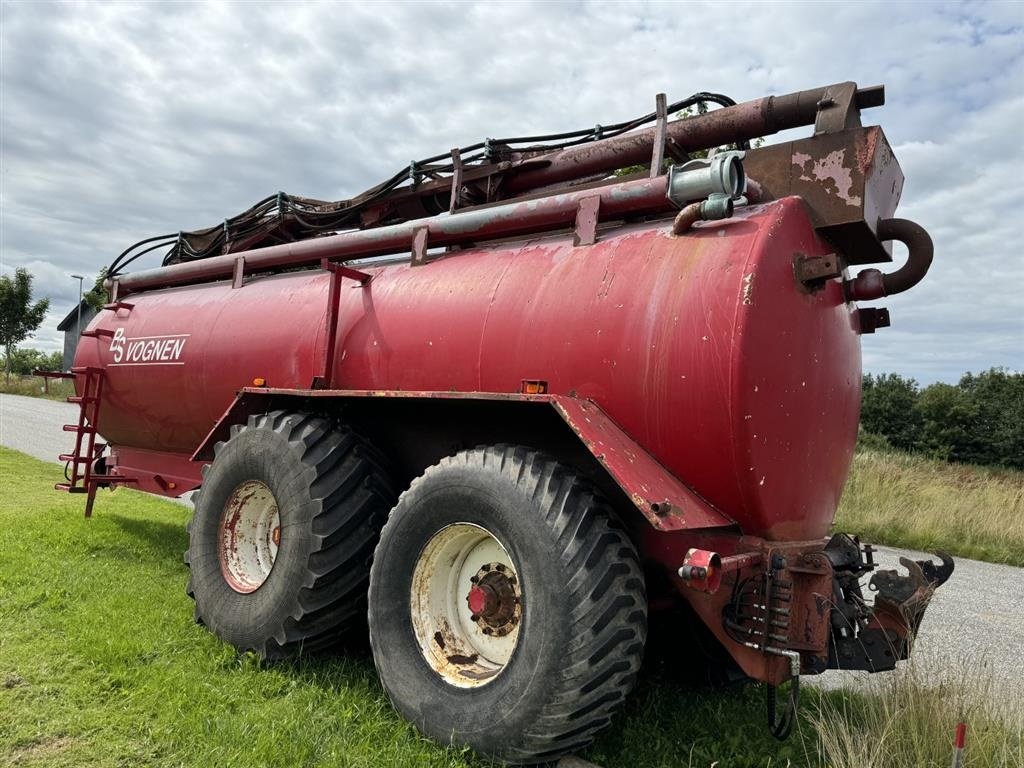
[{"x": 977, "y": 616}]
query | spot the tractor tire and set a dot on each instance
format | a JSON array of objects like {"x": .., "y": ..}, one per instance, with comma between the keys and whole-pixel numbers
[
  {"x": 507, "y": 611},
  {"x": 284, "y": 529}
]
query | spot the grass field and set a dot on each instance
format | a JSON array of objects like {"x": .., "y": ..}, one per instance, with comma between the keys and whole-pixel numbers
[
  {"x": 101, "y": 665},
  {"x": 914, "y": 502}
]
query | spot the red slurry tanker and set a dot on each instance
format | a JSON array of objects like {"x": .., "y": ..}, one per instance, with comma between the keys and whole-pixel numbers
[{"x": 521, "y": 399}]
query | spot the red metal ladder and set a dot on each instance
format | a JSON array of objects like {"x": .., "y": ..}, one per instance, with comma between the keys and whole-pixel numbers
[{"x": 87, "y": 450}]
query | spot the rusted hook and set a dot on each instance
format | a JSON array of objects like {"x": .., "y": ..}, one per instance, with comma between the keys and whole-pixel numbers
[{"x": 874, "y": 284}]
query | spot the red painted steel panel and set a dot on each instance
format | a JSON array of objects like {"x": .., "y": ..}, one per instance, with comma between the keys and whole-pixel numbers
[
  {"x": 666, "y": 502},
  {"x": 702, "y": 347}
]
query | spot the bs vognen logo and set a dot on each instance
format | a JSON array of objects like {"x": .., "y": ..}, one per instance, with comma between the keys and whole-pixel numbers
[{"x": 147, "y": 350}]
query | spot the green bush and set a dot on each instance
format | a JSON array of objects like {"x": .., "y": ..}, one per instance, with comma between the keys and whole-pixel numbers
[
  {"x": 980, "y": 420},
  {"x": 24, "y": 361},
  {"x": 887, "y": 409}
]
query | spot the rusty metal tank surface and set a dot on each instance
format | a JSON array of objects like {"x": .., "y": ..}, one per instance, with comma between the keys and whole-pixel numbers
[{"x": 703, "y": 347}]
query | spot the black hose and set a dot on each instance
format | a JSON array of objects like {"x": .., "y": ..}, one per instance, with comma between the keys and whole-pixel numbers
[
  {"x": 781, "y": 728},
  {"x": 312, "y": 221}
]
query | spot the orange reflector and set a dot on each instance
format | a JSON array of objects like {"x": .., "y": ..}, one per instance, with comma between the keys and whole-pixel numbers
[
  {"x": 259, "y": 382},
  {"x": 534, "y": 387},
  {"x": 172, "y": 485}
]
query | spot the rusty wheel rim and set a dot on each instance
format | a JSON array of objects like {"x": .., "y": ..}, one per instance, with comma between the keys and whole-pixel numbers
[
  {"x": 249, "y": 534},
  {"x": 466, "y": 605}
]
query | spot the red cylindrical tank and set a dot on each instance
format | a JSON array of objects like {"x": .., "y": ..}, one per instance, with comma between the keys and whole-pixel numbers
[{"x": 703, "y": 347}]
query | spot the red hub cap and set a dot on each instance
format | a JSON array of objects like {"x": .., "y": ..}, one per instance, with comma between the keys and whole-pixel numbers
[
  {"x": 477, "y": 600},
  {"x": 494, "y": 599}
]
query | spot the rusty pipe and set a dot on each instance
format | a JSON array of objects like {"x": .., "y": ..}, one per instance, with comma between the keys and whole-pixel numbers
[
  {"x": 644, "y": 196},
  {"x": 875, "y": 284},
  {"x": 686, "y": 218},
  {"x": 742, "y": 122},
  {"x": 714, "y": 208}
]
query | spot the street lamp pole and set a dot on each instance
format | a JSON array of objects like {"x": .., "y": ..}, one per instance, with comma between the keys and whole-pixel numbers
[{"x": 78, "y": 327}]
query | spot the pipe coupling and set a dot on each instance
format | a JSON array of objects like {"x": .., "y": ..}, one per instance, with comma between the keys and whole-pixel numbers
[{"x": 721, "y": 174}]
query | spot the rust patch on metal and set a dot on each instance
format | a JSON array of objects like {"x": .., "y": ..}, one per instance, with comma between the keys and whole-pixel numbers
[
  {"x": 831, "y": 172},
  {"x": 849, "y": 181},
  {"x": 460, "y": 661}
]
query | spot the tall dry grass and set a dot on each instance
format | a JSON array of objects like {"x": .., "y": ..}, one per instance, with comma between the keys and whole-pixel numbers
[
  {"x": 909, "y": 717},
  {"x": 910, "y": 501}
]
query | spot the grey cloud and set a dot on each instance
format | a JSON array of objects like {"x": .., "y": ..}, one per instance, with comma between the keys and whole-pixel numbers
[{"x": 124, "y": 121}]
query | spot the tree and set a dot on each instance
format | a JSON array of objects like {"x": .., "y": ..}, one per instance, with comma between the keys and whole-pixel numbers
[
  {"x": 887, "y": 409},
  {"x": 19, "y": 316},
  {"x": 97, "y": 296},
  {"x": 948, "y": 418},
  {"x": 24, "y": 361},
  {"x": 978, "y": 421},
  {"x": 998, "y": 430}
]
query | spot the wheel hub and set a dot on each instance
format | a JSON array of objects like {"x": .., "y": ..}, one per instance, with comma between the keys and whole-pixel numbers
[
  {"x": 248, "y": 536},
  {"x": 466, "y": 605},
  {"x": 493, "y": 599}
]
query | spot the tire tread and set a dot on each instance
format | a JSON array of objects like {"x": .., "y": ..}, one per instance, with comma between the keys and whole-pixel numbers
[
  {"x": 606, "y": 587},
  {"x": 345, "y": 477}
]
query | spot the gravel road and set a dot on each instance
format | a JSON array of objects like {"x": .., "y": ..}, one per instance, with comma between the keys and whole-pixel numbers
[{"x": 977, "y": 615}]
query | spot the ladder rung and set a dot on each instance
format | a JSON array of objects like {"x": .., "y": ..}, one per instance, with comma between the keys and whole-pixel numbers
[
  {"x": 112, "y": 479},
  {"x": 76, "y": 459},
  {"x": 83, "y": 399},
  {"x": 75, "y": 428},
  {"x": 70, "y": 488}
]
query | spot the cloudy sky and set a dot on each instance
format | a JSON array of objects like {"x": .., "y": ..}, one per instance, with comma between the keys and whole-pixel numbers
[{"x": 122, "y": 121}]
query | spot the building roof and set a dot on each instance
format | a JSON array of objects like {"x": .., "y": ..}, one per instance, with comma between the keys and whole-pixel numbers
[{"x": 69, "y": 320}]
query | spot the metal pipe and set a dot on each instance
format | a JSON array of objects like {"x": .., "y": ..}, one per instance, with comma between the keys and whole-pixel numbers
[
  {"x": 919, "y": 243},
  {"x": 742, "y": 122},
  {"x": 471, "y": 225},
  {"x": 874, "y": 284},
  {"x": 714, "y": 208}
]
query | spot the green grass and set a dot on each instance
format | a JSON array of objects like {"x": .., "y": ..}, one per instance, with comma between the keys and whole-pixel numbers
[
  {"x": 32, "y": 386},
  {"x": 102, "y": 665},
  {"x": 910, "y": 501}
]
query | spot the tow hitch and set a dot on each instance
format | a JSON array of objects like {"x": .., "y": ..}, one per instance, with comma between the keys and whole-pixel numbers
[{"x": 874, "y": 638}]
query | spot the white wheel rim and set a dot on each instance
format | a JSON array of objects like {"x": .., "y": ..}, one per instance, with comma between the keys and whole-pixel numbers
[
  {"x": 464, "y": 565},
  {"x": 248, "y": 536}
]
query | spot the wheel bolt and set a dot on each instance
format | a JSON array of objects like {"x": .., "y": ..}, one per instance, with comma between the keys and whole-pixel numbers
[
  {"x": 474, "y": 617},
  {"x": 474, "y": 579},
  {"x": 487, "y": 630},
  {"x": 499, "y": 567}
]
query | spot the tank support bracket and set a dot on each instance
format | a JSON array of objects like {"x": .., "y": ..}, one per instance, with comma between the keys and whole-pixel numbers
[
  {"x": 419, "y": 246},
  {"x": 337, "y": 272},
  {"x": 586, "y": 221},
  {"x": 456, "y": 180},
  {"x": 660, "y": 132}
]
